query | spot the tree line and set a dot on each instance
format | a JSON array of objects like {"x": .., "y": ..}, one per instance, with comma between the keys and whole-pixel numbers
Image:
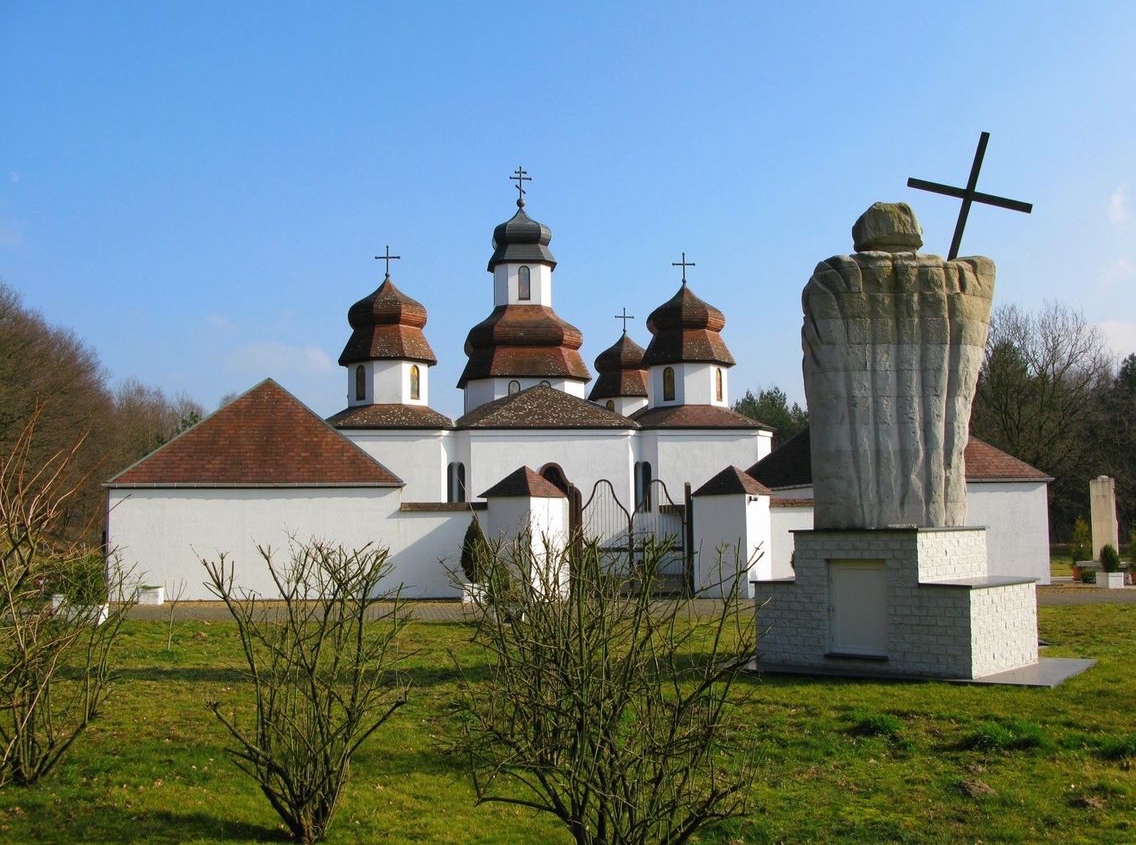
[{"x": 49, "y": 374}]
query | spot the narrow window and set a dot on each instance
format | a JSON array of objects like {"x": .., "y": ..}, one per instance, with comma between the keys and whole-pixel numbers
[
  {"x": 415, "y": 376},
  {"x": 718, "y": 384},
  {"x": 514, "y": 387},
  {"x": 643, "y": 486},
  {"x": 524, "y": 285},
  {"x": 455, "y": 487},
  {"x": 610, "y": 404},
  {"x": 360, "y": 382},
  {"x": 668, "y": 384},
  {"x": 546, "y": 384}
]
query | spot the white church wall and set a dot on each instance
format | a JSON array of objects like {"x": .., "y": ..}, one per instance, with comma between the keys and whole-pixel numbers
[
  {"x": 165, "y": 533},
  {"x": 505, "y": 287},
  {"x": 543, "y": 524},
  {"x": 731, "y": 534},
  {"x": 428, "y": 555},
  {"x": 696, "y": 455},
  {"x": 1016, "y": 517},
  {"x": 785, "y": 517},
  {"x": 417, "y": 456}
]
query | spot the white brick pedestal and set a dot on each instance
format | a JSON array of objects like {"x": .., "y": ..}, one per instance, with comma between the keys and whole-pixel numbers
[{"x": 943, "y": 617}]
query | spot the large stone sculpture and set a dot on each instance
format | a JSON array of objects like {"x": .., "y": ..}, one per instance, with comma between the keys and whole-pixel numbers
[{"x": 893, "y": 341}]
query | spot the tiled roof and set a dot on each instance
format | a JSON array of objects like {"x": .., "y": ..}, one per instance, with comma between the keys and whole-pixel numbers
[
  {"x": 542, "y": 407},
  {"x": 684, "y": 328},
  {"x": 620, "y": 371},
  {"x": 523, "y": 483},
  {"x": 389, "y": 416},
  {"x": 693, "y": 416},
  {"x": 732, "y": 481},
  {"x": 524, "y": 340},
  {"x": 790, "y": 465},
  {"x": 521, "y": 239},
  {"x": 387, "y": 325},
  {"x": 265, "y": 437}
]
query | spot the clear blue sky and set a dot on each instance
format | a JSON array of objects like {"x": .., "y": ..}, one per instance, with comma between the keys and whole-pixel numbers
[{"x": 197, "y": 188}]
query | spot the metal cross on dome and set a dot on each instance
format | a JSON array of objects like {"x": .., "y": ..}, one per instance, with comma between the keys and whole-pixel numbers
[
  {"x": 520, "y": 177},
  {"x": 969, "y": 195},
  {"x": 683, "y": 264},
  {"x": 388, "y": 258},
  {"x": 625, "y": 317}
]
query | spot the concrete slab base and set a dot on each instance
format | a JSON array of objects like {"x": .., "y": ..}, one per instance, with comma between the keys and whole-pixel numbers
[{"x": 1047, "y": 672}]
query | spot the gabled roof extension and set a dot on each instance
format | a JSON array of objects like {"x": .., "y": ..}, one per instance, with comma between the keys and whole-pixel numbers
[
  {"x": 542, "y": 407},
  {"x": 389, "y": 416},
  {"x": 694, "y": 416}
]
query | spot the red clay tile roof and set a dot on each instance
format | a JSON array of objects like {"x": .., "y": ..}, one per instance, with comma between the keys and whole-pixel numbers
[
  {"x": 732, "y": 481},
  {"x": 620, "y": 371},
  {"x": 523, "y": 340},
  {"x": 522, "y": 483},
  {"x": 694, "y": 416},
  {"x": 264, "y": 438},
  {"x": 387, "y": 325},
  {"x": 684, "y": 328},
  {"x": 389, "y": 416},
  {"x": 542, "y": 407},
  {"x": 790, "y": 465}
]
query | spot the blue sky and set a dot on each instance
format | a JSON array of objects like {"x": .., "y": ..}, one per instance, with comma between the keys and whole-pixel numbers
[{"x": 198, "y": 188}]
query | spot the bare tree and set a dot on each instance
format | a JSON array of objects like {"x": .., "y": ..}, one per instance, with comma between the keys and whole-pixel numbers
[
  {"x": 322, "y": 663},
  {"x": 41, "y": 715},
  {"x": 612, "y": 713}
]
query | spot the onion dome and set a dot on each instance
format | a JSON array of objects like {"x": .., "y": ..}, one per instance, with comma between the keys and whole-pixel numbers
[
  {"x": 387, "y": 325},
  {"x": 684, "y": 328},
  {"x": 524, "y": 340},
  {"x": 621, "y": 372},
  {"x": 521, "y": 240}
]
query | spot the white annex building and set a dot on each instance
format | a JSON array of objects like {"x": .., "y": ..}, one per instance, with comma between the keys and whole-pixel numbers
[{"x": 653, "y": 447}]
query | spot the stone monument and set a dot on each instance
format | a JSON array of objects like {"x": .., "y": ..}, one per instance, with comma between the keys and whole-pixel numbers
[
  {"x": 1102, "y": 507},
  {"x": 889, "y": 582}
]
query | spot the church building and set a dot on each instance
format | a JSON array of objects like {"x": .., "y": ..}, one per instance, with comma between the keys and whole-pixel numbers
[{"x": 653, "y": 447}]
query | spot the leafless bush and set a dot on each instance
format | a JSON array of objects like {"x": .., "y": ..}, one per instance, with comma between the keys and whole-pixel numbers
[
  {"x": 322, "y": 662},
  {"x": 614, "y": 713}
]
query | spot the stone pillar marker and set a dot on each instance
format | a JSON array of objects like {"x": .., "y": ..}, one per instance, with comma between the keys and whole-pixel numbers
[{"x": 1102, "y": 506}]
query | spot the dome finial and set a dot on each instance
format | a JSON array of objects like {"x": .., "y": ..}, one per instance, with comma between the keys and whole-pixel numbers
[
  {"x": 683, "y": 264},
  {"x": 625, "y": 317},
  {"x": 388, "y": 258},
  {"x": 520, "y": 178}
]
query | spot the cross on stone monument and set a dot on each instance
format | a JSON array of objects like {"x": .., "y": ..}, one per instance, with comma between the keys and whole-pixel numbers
[
  {"x": 519, "y": 176},
  {"x": 388, "y": 258},
  {"x": 683, "y": 264},
  {"x": 625, "y": 317},
  {"x": 969, "y": 195}
]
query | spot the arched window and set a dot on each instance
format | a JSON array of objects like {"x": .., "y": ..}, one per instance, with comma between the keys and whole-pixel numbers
[
  {"x": 668, "y": 384},
  {"x": 415, "y": 378},
  {"x": 360, "y": 382},
  {"x": 642, "y": 485},
  {"x": 546, "y": 384},
  {"x": 610, "y": 404},
  {"x": 718, "y": 384},
  {"x": 455, "y": 482},
  {"x": 524, "y": 285},
  {"x": 514, "y": 387}
]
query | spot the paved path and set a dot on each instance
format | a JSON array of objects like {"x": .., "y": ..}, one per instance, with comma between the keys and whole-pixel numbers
[{"x": 1061, "y": 593}]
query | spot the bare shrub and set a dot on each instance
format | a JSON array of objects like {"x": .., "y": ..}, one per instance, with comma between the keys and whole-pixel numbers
[
  {"x": 322, "y": 662},
  {"x": 613, "y": 713}
]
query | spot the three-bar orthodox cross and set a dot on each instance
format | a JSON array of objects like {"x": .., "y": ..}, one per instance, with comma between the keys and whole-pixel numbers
[
  {"x": 969, "y": 195},
  {"x": 519, "y": 176}
]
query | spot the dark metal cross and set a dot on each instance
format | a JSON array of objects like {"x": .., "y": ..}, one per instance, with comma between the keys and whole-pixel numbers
[
  {"x": 969, "y": 195},
  {"x": 683, "y": 264},
  {"x": 520, "y": 178},
  {"x": 625, "y": 317},
  {"x": 388, "y": 258}
]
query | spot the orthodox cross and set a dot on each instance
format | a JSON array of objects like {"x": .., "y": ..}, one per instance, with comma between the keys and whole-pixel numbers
[
  {"x": 520, "y": 178},
  {"x": 683, "y": 264},
  {"x": 625, "y": 317},
  {"x": 388, "y": 258},
  {"x": 969, "y": 195}
]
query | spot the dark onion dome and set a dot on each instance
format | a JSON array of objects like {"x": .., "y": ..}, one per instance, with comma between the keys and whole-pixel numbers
[
  {"x": 387, "y": 325},
  {"x": 524, "y": 340},
  {"x": 684, "y": 328},
  {"x": 621, "y": 372},
  {"x": 521, "y": 240}
]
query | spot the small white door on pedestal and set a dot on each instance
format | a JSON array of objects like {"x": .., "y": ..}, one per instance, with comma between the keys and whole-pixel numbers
[{"x": 857, "y": 591}]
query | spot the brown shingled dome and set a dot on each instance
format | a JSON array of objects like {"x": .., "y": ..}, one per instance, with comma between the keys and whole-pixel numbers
[
  {"x": 621, "y": 372},
  {"x": 684, "y": 328},
  {"x": 524, "y": 340},
  {"x": 387, "y": 325}
]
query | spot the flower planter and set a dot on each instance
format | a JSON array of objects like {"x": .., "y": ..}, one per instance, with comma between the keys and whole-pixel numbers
[
  {"x": 151, "y": 595},
  {"x": 92, "y": 614},
  {"x": 1110, "y": 580}
]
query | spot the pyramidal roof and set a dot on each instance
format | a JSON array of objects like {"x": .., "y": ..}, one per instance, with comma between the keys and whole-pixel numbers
[
  {"x": 524, "y": 483},
  {"x": 264, "y": 438},
  {"x": 542, "y": 407},
  {"x": 732, "y": 481}
]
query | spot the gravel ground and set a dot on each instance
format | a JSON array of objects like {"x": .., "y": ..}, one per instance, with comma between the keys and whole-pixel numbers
[{"x": 1060, "y": 593}]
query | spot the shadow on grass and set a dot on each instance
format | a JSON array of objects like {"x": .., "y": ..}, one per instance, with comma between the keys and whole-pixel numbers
[
  {"x": 108, "y": 824},
  {"x": 210, "y": 674}
]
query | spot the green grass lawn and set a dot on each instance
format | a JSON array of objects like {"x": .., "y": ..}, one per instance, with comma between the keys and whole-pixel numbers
[{"x": 841, "y": 762}]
